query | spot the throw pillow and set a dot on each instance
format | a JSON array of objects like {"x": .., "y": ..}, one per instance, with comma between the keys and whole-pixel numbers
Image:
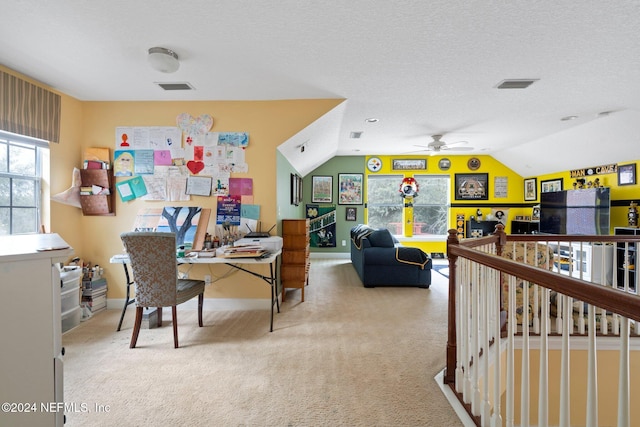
[{"x": 381, "y": 238}]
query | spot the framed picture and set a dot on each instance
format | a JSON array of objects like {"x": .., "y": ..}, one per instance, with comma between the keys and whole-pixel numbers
[
  {"x": 472, "y": 186},
  {"x": 550, "y": 185},
  {"x": 296, "y": 189},
  {"x": 350, "y": 188},
  {"x": 351, "y": 214},
  {"x": 322, "y": 189},
  {"x": 530, "y": 189},
  {"x": 627, "y": 174},
  {"x": 409, "y": 164}
]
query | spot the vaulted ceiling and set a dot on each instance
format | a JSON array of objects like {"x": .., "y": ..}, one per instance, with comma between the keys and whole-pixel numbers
[{"x": 418, "y": 67}]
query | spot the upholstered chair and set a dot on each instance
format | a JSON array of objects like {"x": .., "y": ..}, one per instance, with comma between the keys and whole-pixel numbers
[{"x": 155, "y": 272}]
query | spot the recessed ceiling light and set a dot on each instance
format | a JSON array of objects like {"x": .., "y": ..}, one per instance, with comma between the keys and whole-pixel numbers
[
  {"x": 516, "y": 83},
  {"x": 568, "y": 118},
  {"x": 372, "y": 120}
]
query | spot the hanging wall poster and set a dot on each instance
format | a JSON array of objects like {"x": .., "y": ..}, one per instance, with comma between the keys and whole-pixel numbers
[
  {"x": 228, "y": 210},
  {"x": 350, "y": 188},
  {"x": 123, "y": 163},
  {"x": 472, "y": 186},
  {"x": 322, "y": 219}
]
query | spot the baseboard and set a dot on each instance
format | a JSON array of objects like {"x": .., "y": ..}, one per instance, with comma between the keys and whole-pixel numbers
[
  {"x": 331, "y": 255},
  {"x": 461, "y": 412}
]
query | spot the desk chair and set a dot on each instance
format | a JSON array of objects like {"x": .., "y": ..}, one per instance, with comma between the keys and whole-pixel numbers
[{"x": 155, "y": 271}]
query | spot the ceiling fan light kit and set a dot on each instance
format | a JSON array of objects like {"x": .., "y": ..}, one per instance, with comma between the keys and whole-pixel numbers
[
  {"x": 437, "y": 145},
  {"x": 163, "y": 60}
]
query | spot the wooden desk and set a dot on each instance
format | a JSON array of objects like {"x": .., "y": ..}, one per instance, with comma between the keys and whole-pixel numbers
[{"x": 239, "y": 263}]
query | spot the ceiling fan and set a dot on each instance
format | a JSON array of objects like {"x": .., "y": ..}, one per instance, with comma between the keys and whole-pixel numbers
[{"x": 438, "y": 145}]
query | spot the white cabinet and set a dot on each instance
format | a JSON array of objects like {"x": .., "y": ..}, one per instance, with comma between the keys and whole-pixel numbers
[
  {"x": 585, "y": 261},
  {"x": 31, "y": 368}
]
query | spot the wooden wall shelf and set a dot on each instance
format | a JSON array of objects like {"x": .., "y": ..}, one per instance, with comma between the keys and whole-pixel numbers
[{"x": 98, "y": 204}]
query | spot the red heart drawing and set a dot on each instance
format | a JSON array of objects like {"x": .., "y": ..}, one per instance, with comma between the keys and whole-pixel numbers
[{"x": 195, "y": 167}]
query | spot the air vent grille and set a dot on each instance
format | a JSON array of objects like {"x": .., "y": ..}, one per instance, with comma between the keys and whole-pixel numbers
[
  {"x": 516, "y": 83},
  {"x": 355, "y": 135},
  {"x": 176, "y": 86}
]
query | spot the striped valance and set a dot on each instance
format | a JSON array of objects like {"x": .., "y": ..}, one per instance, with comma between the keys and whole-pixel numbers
[{"x": 27, "y": 109}]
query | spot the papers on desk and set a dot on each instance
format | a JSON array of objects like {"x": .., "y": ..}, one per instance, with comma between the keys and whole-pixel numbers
[
  {"x": 243, "y": 251},
  {"x": 205, "y": 253}
]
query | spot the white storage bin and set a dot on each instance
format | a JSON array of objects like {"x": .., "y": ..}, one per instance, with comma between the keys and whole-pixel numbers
[
  {"x": 71, "y": 319},
  {"x": 70, "y": 278},
  {"x": 70, "y": 299}
]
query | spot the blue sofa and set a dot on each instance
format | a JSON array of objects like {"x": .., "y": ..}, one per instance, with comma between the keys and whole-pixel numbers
[{"x": 381, "y": 261}]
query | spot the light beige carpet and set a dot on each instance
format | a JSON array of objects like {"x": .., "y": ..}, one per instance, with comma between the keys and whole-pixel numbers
[{"x": 347, "y": 356}]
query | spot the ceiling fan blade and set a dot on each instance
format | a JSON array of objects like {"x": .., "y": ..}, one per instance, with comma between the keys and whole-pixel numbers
[
  {"x": 448, "y": 148},
  {"x": 456, "y": 142}
]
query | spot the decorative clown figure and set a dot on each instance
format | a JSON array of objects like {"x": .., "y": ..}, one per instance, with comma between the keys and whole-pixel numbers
[{"x": 408, "y": 191}]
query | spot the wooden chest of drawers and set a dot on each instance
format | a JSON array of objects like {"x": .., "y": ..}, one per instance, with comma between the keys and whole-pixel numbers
[{"x": 294, "y": 272}]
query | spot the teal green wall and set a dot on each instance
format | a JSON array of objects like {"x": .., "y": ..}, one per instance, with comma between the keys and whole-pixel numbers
[
  {"x": 285, "y": 209},
  {"x": 333, "y": 167}
]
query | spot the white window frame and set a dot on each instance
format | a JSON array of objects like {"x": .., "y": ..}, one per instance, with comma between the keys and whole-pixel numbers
[{"x": 39, "y": 146}]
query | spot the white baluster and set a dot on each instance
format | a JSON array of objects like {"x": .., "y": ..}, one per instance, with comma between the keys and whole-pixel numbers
[
  {"x": 496, "y": 418},
  {"x": 475, "y": 344},
  {"x": 592, "y": 372},
  {"x": 624, "y": 419},
  {"x": 510, "y": 352},
  {"x": 484, "y": 316},
  {"x": 543, "y": 389},
  {"x": 565, "y": 401},
  {"x": 525, "y": 374}
]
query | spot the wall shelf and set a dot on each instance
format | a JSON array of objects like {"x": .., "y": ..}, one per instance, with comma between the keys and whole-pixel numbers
[{"x": 98, "y": 204}]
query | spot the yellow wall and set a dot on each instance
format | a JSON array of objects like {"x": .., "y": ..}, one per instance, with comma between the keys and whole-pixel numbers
[
  {"x": 459, "y": 164},
  {"x": 514, "y": 203},
  {"x": 607, "y": 368},
  {"x": 618, "y": 193},
  {"x": 269, "y": 124}
]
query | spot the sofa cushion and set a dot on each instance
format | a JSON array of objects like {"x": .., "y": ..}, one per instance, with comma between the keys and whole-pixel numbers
[{"x": 381, "y": 238}]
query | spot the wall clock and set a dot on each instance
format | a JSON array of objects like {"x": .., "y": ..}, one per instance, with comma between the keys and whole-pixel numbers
[
  {"x": 374, "y": 164},
  {"x": 473, "y": 163}
]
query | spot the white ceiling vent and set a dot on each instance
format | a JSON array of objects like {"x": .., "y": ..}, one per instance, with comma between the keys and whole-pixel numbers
[
  {"x": 175, "y": 86},
  {"x": 516, "y": 83},
  {"x": 355, "y": 135}
]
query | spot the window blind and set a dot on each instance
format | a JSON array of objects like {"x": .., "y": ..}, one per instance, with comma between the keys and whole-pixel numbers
[{"x": 27, "y": 109}]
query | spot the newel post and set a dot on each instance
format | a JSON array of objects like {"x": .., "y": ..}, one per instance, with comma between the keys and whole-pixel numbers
[
  {"x": 450, "y": 370},
  {"x": 500, "y": 244}
]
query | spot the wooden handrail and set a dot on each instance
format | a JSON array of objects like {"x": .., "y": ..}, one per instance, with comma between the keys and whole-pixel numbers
[{"x": 613, "y": 300}]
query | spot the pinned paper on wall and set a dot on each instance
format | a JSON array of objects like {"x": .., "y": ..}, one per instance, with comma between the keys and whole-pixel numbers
[
  {"x": 123, "y": 162},
  {"x": 131, "y": 189},
  {"x": 144, "y": 162},
  {"x": 249, "y": 217},
  {"x": 240, "y": 186},
  {"x": 199, "y": 185},
  {"x": 228, "y": 210},
  {"x": 162, "y": 158},
  {"x": 189, "y": 146}
]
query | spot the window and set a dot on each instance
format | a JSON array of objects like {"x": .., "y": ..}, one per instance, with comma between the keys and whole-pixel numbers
[
  {"x": 430, "y": 208},
  {"x": 20, "y": 183},
  {"x": 384, "y": 202}
]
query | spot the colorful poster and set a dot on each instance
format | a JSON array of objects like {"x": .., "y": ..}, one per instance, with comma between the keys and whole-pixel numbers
[
  {"x": 322, "y": 225},
  {"x": 228, "y": 210},
  {"x": 123, "y": 163}
]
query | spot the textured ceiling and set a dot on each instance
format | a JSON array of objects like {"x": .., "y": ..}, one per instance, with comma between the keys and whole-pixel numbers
[{"x": 420, "y": 67}]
